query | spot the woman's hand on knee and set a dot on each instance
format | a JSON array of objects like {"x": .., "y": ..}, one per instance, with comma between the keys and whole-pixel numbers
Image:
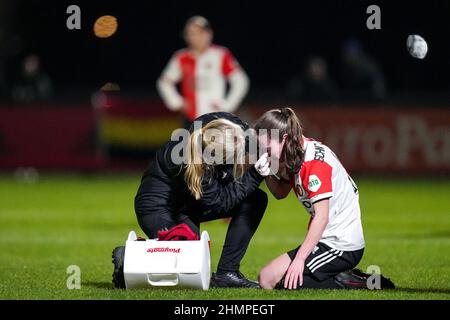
[{"x": 294, "y": 274}]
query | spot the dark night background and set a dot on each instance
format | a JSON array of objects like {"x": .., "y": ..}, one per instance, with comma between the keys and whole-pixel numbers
[{"x": 270, "y": 39}]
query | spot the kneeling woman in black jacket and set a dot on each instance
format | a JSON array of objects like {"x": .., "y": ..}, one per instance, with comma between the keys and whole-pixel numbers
[{"x": 195, "y": 190}]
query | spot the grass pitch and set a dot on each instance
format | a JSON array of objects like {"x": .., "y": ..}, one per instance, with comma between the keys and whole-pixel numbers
[{"x": 68, "y": 220}]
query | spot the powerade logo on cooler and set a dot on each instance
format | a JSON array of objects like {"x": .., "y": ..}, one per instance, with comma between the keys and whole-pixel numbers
[
  {"x": 152, "y": 250},
  {"x": 314, "y": 183}
]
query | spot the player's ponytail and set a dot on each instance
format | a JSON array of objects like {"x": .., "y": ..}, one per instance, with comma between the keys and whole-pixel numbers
[
  {"x": 219, "y": 135},
  {"x": 294, "y": 151},
  {"x": 287, "y": 122}
]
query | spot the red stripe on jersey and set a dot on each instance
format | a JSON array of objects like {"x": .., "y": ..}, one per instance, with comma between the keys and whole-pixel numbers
[
  {"x": 188, "y": 65},
  {"x": 316, "y": 177},
  {"x": 229, "y": 64}
]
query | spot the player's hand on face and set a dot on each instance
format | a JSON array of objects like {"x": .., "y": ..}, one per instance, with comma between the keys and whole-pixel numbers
[
  {"x": 263, "y": 164},
  {"x": 294, "y": 274}
]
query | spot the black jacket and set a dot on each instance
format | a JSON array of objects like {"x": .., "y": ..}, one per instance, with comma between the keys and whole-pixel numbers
[{"x": 164, "y": 191}]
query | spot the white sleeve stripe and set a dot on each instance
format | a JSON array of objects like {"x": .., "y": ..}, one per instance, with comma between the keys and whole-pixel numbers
[{"x": 321, "y": 197}]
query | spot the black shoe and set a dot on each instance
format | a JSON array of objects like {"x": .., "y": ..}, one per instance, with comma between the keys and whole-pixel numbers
[
  {"x": 356, "y": 279},
  {"x": 351, "y": 280},
  {"x": 385, "y": 283},
  {"x": 118, "y": 277},
  {"x": 232, "y": 280}
]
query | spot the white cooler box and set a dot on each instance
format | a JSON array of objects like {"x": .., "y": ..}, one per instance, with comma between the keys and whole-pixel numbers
[{"x": 167, "y": 263}]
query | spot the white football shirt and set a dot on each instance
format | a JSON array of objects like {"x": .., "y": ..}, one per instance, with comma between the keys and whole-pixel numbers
[{"x": 322, "y": 176}]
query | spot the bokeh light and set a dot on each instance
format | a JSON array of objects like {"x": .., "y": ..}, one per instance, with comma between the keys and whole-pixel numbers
[{"x": 105, "y": 26}]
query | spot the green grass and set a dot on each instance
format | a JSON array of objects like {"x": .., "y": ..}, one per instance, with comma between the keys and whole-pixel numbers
[{"x": 77, "y": 220}]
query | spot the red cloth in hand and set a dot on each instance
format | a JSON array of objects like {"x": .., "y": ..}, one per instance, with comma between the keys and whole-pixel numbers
[{"x": 177, "y": 233}]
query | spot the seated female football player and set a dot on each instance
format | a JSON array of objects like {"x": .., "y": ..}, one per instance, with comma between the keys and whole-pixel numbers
[{"x": 334, "y": 243}]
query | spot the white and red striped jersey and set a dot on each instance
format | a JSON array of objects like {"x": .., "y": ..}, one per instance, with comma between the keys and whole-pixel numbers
[
  {"x": 203, "y": 80},
  {"x": 322, "y": 176}
]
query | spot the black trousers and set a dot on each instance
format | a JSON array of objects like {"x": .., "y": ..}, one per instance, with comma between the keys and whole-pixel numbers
[{"x": 245, "y": 219}]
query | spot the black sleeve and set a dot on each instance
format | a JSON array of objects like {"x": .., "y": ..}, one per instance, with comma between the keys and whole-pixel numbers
[
  {"x": 164, "y": 158},
  {"x": 222, "y": 198}
]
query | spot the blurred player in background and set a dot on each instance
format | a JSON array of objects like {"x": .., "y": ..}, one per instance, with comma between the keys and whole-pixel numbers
[
  {"x": 202, "y": 69},
  {"x": 32, "y": 84}
]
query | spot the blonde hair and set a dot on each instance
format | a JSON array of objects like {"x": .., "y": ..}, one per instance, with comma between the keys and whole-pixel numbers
[{"x": 219, "y": 135}]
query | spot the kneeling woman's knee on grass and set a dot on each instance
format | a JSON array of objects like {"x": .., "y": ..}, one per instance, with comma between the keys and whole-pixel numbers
[{"x": 271, "y": 274}]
